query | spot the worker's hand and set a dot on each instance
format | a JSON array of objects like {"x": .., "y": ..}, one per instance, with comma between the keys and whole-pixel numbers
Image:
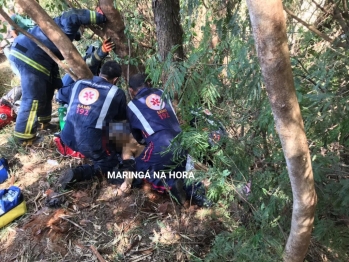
[
  {"x": 108, "y": 45},
  {"x": 99, "y": 10}
]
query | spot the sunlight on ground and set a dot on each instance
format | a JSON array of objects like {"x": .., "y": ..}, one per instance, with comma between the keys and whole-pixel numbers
[{"x": 7, "y": 78}]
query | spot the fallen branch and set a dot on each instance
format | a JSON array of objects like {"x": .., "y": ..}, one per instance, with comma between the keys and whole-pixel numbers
[
  {"x": 62, "y": 194},
  {"x": 95, "y": 251},
  {"x": 66, "y": 219}
]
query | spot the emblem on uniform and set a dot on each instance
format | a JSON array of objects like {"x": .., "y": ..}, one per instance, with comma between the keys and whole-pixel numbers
[
  {"x": 88, "y": 96},
  {"x": 155, "y": 102}
]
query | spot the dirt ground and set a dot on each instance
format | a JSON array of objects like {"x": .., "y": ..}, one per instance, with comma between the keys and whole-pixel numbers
[{"x": 94, "y": 224}]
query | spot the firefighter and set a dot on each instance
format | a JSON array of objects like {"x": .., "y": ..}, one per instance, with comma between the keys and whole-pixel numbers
[
  {"x": 154, "y": 123},
  {"x": 94, "y": 57},
  {"x": 39, "y": 73},
  {"x": 93, "y": 104}
]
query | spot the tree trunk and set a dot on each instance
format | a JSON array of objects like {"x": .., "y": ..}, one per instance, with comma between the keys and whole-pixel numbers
[
  {"x": 114, "y": 28},
  {"x": 56, "y": 35},
  {"x": 269, "y": 30},
  {"x": 169, "y": 32}
]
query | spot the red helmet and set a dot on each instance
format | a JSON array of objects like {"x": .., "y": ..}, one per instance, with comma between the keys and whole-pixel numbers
[{"x": 5, "y": 115}]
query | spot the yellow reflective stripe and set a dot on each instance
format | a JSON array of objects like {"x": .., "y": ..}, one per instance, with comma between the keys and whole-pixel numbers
[
  {"x": 31, "y": 118},
  {"x": 30, "y": 62},
  {"x": 25, "y": 136},
  {"x": 97, "y": 56},
  {"x": 44, "y": 118},
  {"x": 92, "y": 17}
]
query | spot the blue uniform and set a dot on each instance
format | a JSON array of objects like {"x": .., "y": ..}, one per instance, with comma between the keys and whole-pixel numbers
[
  {"x": 92, "y": 104},
  {"x": 39, "y": 73},
  {"x": 93, "y": 57},
  {"x": 153, "y": 119}
]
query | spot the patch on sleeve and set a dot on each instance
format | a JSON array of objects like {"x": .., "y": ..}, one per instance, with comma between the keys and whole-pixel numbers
[
  {"x": 88, "y": 96},
  {"x": 155, "y": 102}
]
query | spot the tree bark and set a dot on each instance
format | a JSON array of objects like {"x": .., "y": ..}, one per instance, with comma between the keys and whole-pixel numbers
[
  {"x": 114, "y": 28},
  {"x": 169, "y": 31},
  {"x": 56, "y": 35},
  {"x": 269, "y": 30},
  {"x": 41, "y": 45}
]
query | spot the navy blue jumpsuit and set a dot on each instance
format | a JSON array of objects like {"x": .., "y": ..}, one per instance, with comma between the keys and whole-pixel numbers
[
  {"x": 155, "y": 121},
  {"x": 92, "y": 104},
  {"x": 39, "y": 73},
  {"x": 93, "y": 58}
]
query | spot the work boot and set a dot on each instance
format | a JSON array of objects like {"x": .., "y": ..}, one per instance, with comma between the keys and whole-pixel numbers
[
  {"x": 48, "y": 126},
  {"x": 78, "y": 174},
  {"x": 178, "y": 191},
  {"x": 35, "y": 141},
  {"x": 201, "y": 201},
  {"x": 198, "y": 198},
  {"x": 66, "y": 179}
]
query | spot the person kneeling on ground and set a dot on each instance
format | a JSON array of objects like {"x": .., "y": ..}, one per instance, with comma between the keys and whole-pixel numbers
[
  {"x": 92, "y": 104},
  {"x": 154, "y": 122}
]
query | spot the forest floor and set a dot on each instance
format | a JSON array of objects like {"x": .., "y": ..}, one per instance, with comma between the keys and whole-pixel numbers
[{"x": 94, "y": 224}]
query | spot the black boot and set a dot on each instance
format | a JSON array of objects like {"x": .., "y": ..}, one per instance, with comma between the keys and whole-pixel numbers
[
  {"x": 198, "y": 196},
  {"x": 178, "y": 191},
  {"x": 78, "y": 174},
  {"x": 66, "y": 178}
]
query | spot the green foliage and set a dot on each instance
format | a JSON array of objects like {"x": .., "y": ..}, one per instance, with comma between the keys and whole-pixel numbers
[{"x": 225, "y": 77}]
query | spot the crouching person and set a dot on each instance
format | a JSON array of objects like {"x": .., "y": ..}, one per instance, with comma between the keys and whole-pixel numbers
[
  {"x": 92, "y": 105},
  {"x": 153, "y": 122}
]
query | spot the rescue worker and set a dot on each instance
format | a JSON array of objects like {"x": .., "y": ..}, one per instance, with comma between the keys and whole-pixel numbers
[
  {"x": 11, "y": 100},
  {"x": 93, "y": 104},
  {"x": 24, "y": 22},
  {"x": 154, "y": 123},
  {"x": 39, "y": 73},
  {"x": 94, "y": 57}
]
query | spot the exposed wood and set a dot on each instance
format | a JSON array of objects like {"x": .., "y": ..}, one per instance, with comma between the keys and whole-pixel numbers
[{"x": 98, "y": 255}]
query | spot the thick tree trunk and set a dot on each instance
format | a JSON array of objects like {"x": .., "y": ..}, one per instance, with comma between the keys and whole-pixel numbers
[
  {"x": 269, "y": 30},
  {"x": 169, "y": 31},
  {"x": 56, "y": 35}
]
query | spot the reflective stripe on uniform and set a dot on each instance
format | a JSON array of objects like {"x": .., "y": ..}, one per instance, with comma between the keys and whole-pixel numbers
[
  {"x": 31, "y": 117},
  {"x": 95, "y": 53},
  {"x": 92, "y": 17},
  {"x": 106, "y": 106},
  {"x": 73, "y": 92},
  {"x": 30, "y": 62},
  {"x": 44, "y": 118},
  {"x": 141, "y": 118},
  {"x": 24, "y": 136}
]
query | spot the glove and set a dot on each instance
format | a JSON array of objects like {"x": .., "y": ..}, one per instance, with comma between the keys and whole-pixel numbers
[
  {"x": 108, "y": 45},
  {"x": 99, "y": 10}
]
